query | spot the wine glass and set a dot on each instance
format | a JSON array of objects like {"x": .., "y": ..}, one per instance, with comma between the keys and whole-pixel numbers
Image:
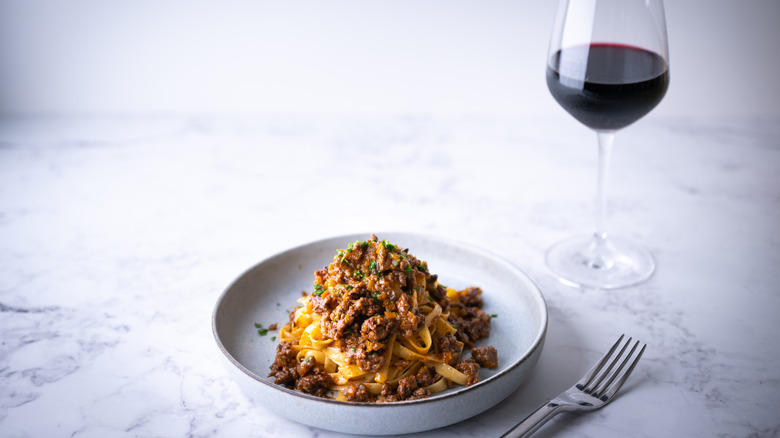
[{"x": 608, "y": 67}]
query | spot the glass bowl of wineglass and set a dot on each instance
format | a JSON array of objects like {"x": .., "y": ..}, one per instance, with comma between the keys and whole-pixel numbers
[{"x": 607, "y": 66}]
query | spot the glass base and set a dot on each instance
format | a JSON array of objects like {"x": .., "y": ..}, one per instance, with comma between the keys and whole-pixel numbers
[{"x": 600, "y": 263}]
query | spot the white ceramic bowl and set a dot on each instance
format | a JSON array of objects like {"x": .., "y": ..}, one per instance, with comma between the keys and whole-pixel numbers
[{"x": 268, "y": 291}]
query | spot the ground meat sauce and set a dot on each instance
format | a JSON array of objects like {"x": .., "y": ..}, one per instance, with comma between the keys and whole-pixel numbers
[
  {"x": 470, "y": 368},
  {"x": 486, "y": 357},
  {"x": 365, "y": 297}
]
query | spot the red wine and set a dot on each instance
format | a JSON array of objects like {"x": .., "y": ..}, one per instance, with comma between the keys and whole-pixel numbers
[{"x": 606, "y": 86}]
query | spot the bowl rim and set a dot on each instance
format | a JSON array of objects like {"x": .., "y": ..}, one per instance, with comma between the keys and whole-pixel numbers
[{"x": 537, "y": 343}]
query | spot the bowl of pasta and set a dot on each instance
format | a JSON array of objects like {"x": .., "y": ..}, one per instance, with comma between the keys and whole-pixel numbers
[{"x": 380, "y": 334}]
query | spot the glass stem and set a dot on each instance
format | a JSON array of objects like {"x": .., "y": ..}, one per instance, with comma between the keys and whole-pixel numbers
[{"x": 605, "y": 152}]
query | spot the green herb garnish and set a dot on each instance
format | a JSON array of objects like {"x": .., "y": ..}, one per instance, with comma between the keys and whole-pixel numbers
[
  {"x": 262, "y": 331},
  {"x": 389, "y": 246}
]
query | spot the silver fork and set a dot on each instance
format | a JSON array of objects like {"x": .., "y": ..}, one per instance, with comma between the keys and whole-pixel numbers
[{"x": 593, "y": 391}]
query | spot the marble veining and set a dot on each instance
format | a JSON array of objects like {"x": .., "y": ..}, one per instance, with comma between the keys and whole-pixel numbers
[{"x": 117, "y": 235}]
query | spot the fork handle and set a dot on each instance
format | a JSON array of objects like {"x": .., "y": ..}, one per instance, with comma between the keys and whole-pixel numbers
[{"x": 534, "y": 421}]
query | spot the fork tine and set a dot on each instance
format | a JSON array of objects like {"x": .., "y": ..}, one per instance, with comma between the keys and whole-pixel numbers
[
  {"x": 602, "y": 387},
  {"x": 591, "y": 389},
  {"x": 623, "y": 377},
  {"x": 587, "y": 378}
]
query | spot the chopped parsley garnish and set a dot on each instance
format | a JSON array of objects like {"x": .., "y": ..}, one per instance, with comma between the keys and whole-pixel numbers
[
  {"x": 389, "y": 246},
  {"x": 494, "y": 315},
  {"x": 342, "y": 255},
  {"x": 408, "y": 269},
  {"x": 262, "y": 331},
  {"x": 318, "y": 289}
]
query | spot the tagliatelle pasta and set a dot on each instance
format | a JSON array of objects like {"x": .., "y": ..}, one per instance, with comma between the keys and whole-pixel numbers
[{"x": 378, "y": 326}]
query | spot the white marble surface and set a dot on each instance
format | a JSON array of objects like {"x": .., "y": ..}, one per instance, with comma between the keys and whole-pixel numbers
[{"x": 117, "y": 235}]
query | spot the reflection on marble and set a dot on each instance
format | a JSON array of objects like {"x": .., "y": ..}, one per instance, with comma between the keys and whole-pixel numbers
[{"x": 117, "y": 235}]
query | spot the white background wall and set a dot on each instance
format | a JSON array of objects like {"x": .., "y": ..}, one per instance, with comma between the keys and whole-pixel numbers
[{"x": 350, "y": 56}]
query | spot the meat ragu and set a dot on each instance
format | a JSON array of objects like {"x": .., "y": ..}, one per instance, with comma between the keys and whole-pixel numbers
[{"x": 379, "y": 327}]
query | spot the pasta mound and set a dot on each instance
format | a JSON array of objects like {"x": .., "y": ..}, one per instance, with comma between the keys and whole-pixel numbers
[{"x": 379, "y": 327}]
